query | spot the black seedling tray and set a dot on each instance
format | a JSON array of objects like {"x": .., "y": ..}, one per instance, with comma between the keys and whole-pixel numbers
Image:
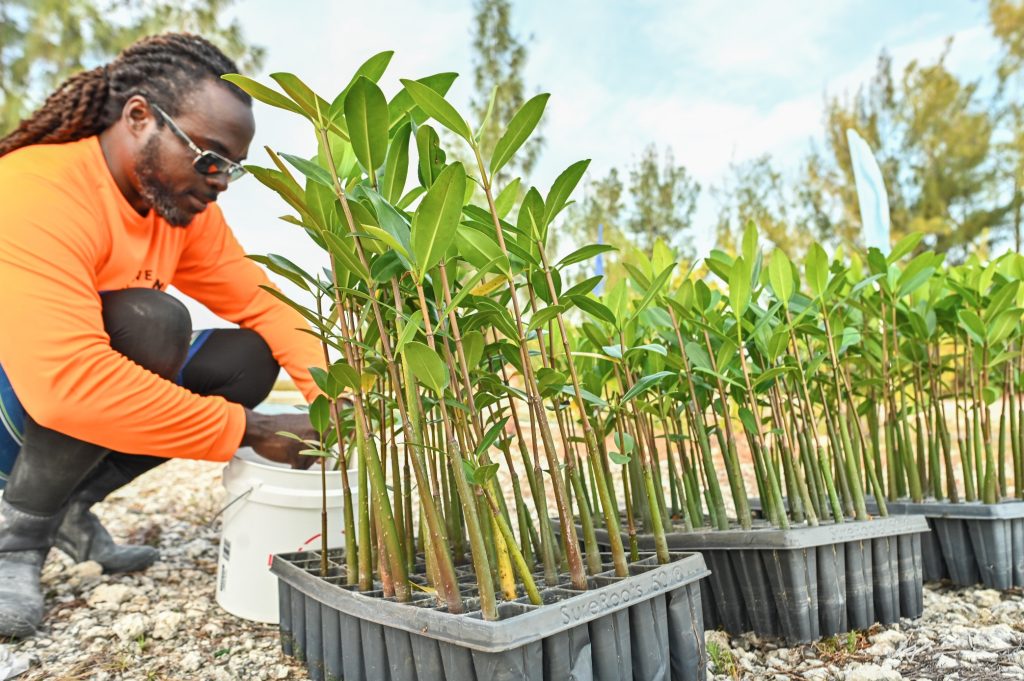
[
  {"x": 646, "y": 627},
  {"x": 805, "y": 583},
  {"x": 971, "y": 543}
]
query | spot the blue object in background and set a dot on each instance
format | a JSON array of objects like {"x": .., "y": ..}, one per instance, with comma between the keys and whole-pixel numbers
[
  {"x": 871, "y": 194},
  {"x": 599, "y": 263}
]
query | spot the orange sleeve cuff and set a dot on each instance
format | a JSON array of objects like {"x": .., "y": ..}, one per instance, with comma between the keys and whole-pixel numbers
[{"x": 225, "y": 446}]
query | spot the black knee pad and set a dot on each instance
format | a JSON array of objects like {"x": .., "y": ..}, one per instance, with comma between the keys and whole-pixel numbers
[
  {"x": 149, "y": 327},
  {"x": 234, "y": 363}
]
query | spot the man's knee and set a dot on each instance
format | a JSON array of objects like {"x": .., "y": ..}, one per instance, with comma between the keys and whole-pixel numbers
[
  {"x": 236, "y": 364},
  {"x": 149, "y": 327}
]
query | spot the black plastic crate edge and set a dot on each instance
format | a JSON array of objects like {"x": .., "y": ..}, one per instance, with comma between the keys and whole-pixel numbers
[
  {"x": 794, "y": 538},
  {"x": 491, "y": 637}
]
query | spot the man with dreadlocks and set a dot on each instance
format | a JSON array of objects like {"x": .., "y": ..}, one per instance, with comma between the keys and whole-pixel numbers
[{"x": 108, "y": 196}]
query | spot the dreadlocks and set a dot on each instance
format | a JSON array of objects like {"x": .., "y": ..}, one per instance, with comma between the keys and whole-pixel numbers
[{"x": 163, "y": 68}]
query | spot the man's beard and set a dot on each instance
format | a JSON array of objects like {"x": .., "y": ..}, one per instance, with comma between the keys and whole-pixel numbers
[{"x": 157, "y": 193}]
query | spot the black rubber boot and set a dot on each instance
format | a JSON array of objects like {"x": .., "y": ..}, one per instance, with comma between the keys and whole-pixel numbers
[
  {"x": 83, "y": 537},
  {"x": 25, "y": 540}
]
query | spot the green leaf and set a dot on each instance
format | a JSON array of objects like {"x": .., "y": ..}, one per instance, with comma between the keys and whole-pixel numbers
[
  {"x": 490, "y": 437},
  {"x": 427, "y": 366},
  {"x": 770, "y": 375},
  {"x": 409, "y": 331},
  {"x": 323, "y": 380},
  {"x": 620, "y": 459},
  {"x": 284, "y": 267},
  {"x": 431, "y": 156},
  {"x": 320, "y": 414},
  {"x": 311, "y": 170},
  {"x": 1000, "y": 328},
  {"x": 263, "y": 93},
  {"x": 739, "y": 287},
  {"x": 479, "y": 249},
  {"x": 435, "y": 106},
  {"x": 625, "y": 442},
  {"x": 649, "y": 347},
  {"x": 816, "y": 268},
  {"x": 485, "y": 474},
  {"x": 401, "y": 107},
  {"x": 698, "y": 356},
  {"x": 545, "y": 315},
  {"x": 653, "y": 291},
  {"x": 473, "y": 347},
  {"x": 646, "y": 383},
  {"x": 593, "y": 308},
  {"x": 583, "y": 288},
  {"x": 519, "y": 130},
  {"x": 315, "y": 106},
  {"x": 748, "y": 420},
  {"x": 561, "y": 189},
  {"x": 366, "y": 112},
  {"x": 904, "y": 246},
  {"x": 750, "y": 242},
  {"x": 585, "y": 253},
  {"x": 467, "y": 288},
  {"x": 396, "y": 166},
  {"x": 487, "y": 114},
  {"x": 372, "y": 69},
  {"x": 507, "y": 198},
  {"x": 780, "y": 276},
  {"x": 972, "y": 324},
  {"x": 586, "y": 395},
  {"x": 916, "y": 274},
  {"x": 436, "y": 220},
  {"x": 346, "y": 376}
]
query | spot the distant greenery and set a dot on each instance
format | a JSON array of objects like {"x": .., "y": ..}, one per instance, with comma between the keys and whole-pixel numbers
[{"x": 46, "y": 41}]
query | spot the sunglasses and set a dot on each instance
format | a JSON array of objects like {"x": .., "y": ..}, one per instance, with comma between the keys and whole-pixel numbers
[{"x": 205, "y": 162}]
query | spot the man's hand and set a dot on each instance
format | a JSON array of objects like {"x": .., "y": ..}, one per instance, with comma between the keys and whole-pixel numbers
[{"x": 261, "y": 434}]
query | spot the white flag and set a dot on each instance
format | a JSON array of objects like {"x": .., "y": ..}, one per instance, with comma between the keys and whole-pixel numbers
[{"x": 874, "y": 202}]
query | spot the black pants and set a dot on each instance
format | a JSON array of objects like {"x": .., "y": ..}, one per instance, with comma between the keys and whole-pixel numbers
[{"x": 154, "y": 330}]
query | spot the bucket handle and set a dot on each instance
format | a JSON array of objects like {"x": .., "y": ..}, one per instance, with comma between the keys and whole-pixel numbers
[{"x": 233, "y": 502}]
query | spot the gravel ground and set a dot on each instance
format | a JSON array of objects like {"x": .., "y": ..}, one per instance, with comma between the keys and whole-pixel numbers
[{"x": 165, "y": 623}]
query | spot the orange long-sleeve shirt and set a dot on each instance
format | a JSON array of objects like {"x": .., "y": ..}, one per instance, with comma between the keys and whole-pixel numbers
[{"x": 67, "y": 233}]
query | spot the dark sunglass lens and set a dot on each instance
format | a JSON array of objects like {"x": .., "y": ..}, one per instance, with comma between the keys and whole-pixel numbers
[{"x": 208, "y": 164}]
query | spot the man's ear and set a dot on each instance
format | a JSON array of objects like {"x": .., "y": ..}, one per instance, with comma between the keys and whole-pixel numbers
[{"x": 137, "y": 116}]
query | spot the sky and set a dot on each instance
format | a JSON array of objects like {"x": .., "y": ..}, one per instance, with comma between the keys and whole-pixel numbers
[{"x": 718, "y": 82}]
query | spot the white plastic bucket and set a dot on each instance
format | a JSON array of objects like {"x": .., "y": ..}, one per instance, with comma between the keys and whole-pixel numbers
[{"x": 271, "y": 508}]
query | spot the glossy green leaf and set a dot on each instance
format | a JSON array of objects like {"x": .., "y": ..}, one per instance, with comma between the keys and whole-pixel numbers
[
  {"x": 506, "y": 199},
  {"x": 311, "y": 170},
  {"x": 519, "y": 130},
  {"x": 645, "y": 384},
  {"x": 396, "y": 166},
  {"x": 592, "y": 307},
  {"x": 320, "y": 414},
  {"x": 561, "y": 190},
  {"x": 263, "y": 93},
  {"x": 366, "y": 112},
  {"x": 816, "y": 269},
  {"x": 585, "y": 253},
  {"x": 435, "y": 106},
  {"x": 781, "y": 276},
  {"x": 436, "y": 220},
  {"x": 427, "y": 366}
]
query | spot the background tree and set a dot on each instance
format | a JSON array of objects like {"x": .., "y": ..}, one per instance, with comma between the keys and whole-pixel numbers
[
  {"x": 42, "y": 42},
  {"x": 664, "y": 198},
  {"x": 1007, "y": 21},
  {"x": 498, "y": 61},
  {"x": 658, "y": 203},
  {"x": 933, "y": 137},
  {"x": 756, "y": 191}
]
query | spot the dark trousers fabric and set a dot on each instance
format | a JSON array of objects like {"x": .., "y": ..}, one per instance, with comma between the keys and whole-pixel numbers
[{"x": 154, "y": 330}]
